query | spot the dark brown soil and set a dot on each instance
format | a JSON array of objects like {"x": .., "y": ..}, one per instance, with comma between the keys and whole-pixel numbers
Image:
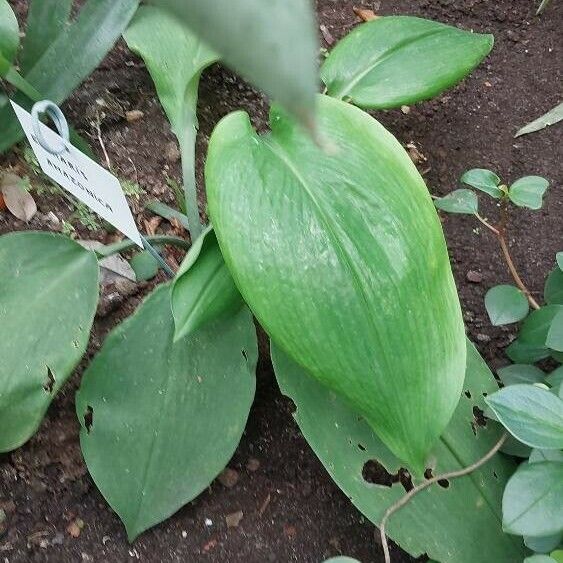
[{"x": 292, "y": 510}]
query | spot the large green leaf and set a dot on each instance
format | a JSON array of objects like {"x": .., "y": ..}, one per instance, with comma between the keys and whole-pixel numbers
[
  {"x": 56, "y": 74},
  {"x": 398, "y": 60},
  {"x": 161, "y": 420},
  {"x": 203, "y": 289},
  {"x": 520, "y": 373},
  {"x": 531, "y": 414},
  {"x": 555, "y": 334},
  {"x": 536, "y": 327},
  {"x": 443, "y": 523},
  {"x": 532, "y": 503},
  {"x": 175, "y": 58},
  {"x": 528, "y": 191},
  {"x": 273, "y": 44},
  {"x": 9, "y": 32},
  {"x": 342, "y": 259},
  {"x": 506, "y": 304},
  {"x": 46, "y": 19},
  {"x": 553, "y": 290},
  {"x": 48, "y": 297}
]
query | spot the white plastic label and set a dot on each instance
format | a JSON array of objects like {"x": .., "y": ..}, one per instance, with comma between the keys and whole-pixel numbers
[{"x": 82, "y": 177}]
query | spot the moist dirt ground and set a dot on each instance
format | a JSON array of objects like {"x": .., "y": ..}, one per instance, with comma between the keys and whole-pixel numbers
[{"x": 292, "y": 511}]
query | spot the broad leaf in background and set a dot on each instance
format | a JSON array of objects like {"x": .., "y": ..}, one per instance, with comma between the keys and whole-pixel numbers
[
  {"x": 528, "y": 192},
  {"x": 543, "y": 544},
  {"x": 520, "y": 373},
  {"x": 531, "y": 504},
  {"x": 341, "y": 560},
  {"x": 459, "y": 201},
  {"x": 523, "y": 353},
  {"x": 553, "y": 290},
  {"x": 550, "y": 118},
  {"x": 555, "y": 378},
  {"x": 161, "y": 420},
  {"x": 531, "y": 414},
  {"x": 90, "y": 37},
  {"x": 46, "y": 19},
  {"x": 203, "y": 289},
  {"x": 506, "y": 304},
  {"x": 559, "y": 258},
  {"x": 298, "y": 231},
  {"x": 555, "y": 334},
  {"x": 175, "y": 58},
  {"x": 47, "y": 304},
  {"x": 144, "y": 265},
  {"x": 536, "y": 327},
  {"x": 272, "y": 44},
  {"x": 430, "y": 523},
  {"x": 9, "y": 32},
  {"x": 397, "y": 60},
  {"x": 539, "y": 559},
  {"x": 484, "y": 180}
]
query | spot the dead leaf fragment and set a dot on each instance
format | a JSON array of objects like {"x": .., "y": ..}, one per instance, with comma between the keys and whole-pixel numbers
[
  {"x": 365, "y": 14},
  {"x": 75, "y": 527},
  {"x": 253, "y": 464},
  {"x": 327, "y": 35},
  {"x": 133, "y": 115},
  {"x": 233, "y": 519},
  {"x": 416, "y": 155},
  {"x": 228, "y": 477},
  {"x": 17, "y": 199}
]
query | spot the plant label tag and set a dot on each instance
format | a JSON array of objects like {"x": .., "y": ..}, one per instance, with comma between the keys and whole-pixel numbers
[{"x": 82, "y": 177}]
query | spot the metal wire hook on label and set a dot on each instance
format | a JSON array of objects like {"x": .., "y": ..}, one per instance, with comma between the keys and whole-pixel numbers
[{"x": 54, "y": 112}]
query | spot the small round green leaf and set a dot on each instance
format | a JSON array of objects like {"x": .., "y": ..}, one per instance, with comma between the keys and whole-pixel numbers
[
  {"x": 520, "y": 373},
  {"x": 528, "y": 191},
  {"x": 160, "y": 419},
  {"x": 522, "y": 353},
  {"x": 144, "y": 265},
  {"x": 536, "y": 327},
  {"x": 459, "y": 201},
  {"x": 341, "y": 560},
  {"x": 555, "y": 334},
  {"x": 48, "y": 298},
  {"x": 9, "y": 32},
  {"x": 506, "y": 304},
  {"x": 531, "y": 504},
  {"x": 543, "y": 544},
  {"x": 531, "y": 414},
  {"x": 484, "y": 180},
  {"x": 553, "y": 290}
]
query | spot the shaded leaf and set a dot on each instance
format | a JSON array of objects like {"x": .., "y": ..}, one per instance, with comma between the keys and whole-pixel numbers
[
  {"x": 531, "y": 414},
  {"x": 553, "y": 290},
  {"x": 528, "y": 191},
  {"x": 153, "y": 435},
  {"x": 144, "y": 265},
  {"x": 397, "y": 60},
  {"x": 331, "y": 286},
  {"x": 506, "y": 304},
  {"x": 459, "y": 201},
  {"x": 553, "y": 116},
  {"x": 531, "y": 504},
  {"x": 484, "y": 180},
  {"x": 523, "y": 353},
  {"x": 9, "y": 32},
  {"x": 18, "y": 200},
  {"x": 555, "y": 334},
  {"x": 520, "y": 373},
  {"x": 539, "y": 559},
  {"x": 536, "y": 327},
  {"x": 545, "y": 455},
  {"x": 559, "y": 258},
  {"x": 555, "y": 378},
  {"x": 272, "y": 44},
  {"x": 429, "y": 524},
  {"x": 203, "y": 289},
  {"x": 47, "y": 305}
]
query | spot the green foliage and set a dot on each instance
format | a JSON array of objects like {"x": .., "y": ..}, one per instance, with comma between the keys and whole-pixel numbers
[
  {"x": 483, "y": 180},
  {"x": 160, "y": 419},
  {"x": 528, "y": 192},
  {"x": 559, "y": 258},
  {"x": 543, "y": 544},
  {"x": 330, "y": 286},
  {"x": 9, "y": 32},
  {"x": 203, "y": 289},
  {"x": 552, "y": 117},
  {"x": 272, "y": 44},
  {"x": 536, "y": 327},
  {"x": 555, "y": 334},
  {"x": 506, "y": 304},
  {"x": 458, "y": 201},
  {"x": 397, "y": 60},
  {"x": 520, "y": 373},
  {"x": 524, "y": 353},
  {"x": 47, "y": 305},
  {"x": 131, "y": 189},
  {"x": 429, "y": 524},
  {"x": 144, "y": 265},
  {"x": 553, "y": 290}
]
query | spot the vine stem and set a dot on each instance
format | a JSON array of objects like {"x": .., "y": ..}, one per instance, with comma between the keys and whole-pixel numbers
[
  {"x": 487, "y": 224},
  {"x": 450, "y": 475},
  {"x": 122, "y": 246}
]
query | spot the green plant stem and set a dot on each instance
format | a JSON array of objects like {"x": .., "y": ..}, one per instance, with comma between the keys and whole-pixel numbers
[
  {"x": 187, "y": 150},
  {"x": 127, "y": 244},
  {"x": 450, "y": 475},
  {"x": 487, "y": 224}
]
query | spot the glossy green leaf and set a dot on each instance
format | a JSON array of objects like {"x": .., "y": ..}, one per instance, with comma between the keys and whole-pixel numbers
[
  {"x": 430, "y": 523},
  {"x": 543, "y": 544},
  {"x": 535, "y": 328},
  {"x": 555, "y": 334},
  {"x": 484, "y": 180},
  {"x": 552, "y": 117},
  {"x": 528, "y": 191},
  {"x": 539, "y": 559},
  {"x": 46, "y": 19},
  {"x": 161, "y": 420},
  {"x": 459, "y": 201},
  {"x": 537, "y": 455},
  {"x": 48, "y": 297},
  {"x": 555, "y": 378},
  {"x": 520, "y": 373},
  {"x": 330, "y": 250},
  {"x": 553, "y": 290},
  {"x": 144, "y": 265},
  {"x": 506, "y": 304},
  {"x": 90, "y": 37},
  {"x": 531, "y": 504},
  {"x": 9, "y": 32},
  {"x": 523, "y": 353},
  {"x": 203, "y": 289},
  {"x": 396, "y": 60},
  {"x": 531, "y": 414},
  {"x": 273, "y": 44},
  {"x": 175, "y": 58},
  {"x": 559, "y": 258}
]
